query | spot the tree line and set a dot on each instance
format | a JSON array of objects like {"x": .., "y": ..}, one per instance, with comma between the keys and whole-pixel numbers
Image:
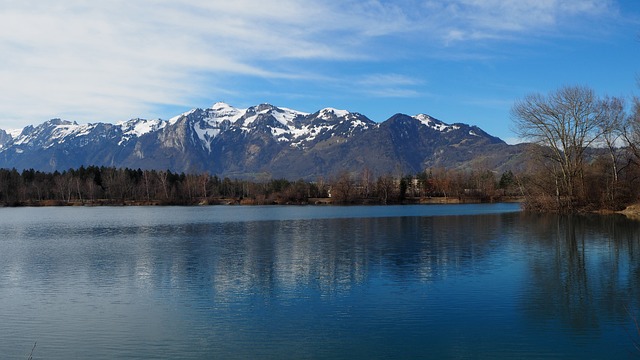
[
  {"x": 123, "y": 186},
  {"x": 585, "y": 150}
]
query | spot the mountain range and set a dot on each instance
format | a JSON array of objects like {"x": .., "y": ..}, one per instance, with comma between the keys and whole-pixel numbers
[{"x": 262, "y": 141}]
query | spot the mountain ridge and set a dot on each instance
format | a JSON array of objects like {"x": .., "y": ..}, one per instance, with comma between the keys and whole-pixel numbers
[{"x": 259, "y": 141}]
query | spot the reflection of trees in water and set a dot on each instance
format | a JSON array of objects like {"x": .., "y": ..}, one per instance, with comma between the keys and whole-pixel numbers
[
  {"x": 618, "y": 273},
  {"x": 261, "y": 260},
  {"x": 430, "y": 248},
  {"x": 333, "y": 255},
  {"x": 582, "y": 268}
]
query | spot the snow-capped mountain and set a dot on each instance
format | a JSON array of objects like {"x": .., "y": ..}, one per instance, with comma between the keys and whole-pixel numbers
[
  {"x": 258, "y": 141},
  {"x": 135, "y": 128}
]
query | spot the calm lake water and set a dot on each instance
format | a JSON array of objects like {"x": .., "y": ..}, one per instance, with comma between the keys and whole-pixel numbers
[{"x": 233, "y": 282}]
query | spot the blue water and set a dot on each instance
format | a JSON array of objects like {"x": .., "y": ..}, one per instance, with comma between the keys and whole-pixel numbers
[{"x": 362, "y": 282}]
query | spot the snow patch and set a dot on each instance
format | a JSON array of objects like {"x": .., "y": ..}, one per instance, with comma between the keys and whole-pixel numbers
[
  {"x": 358, "y": 123},
  {"x": 293, "y": 111},
  {"x": 14, "y": 133},
  {"x": 425, "y": 119},
  {"x": 139, "y": 127},
  {"x": 328, "y": 113},
  {"x": 224, "y": 111},
  {"x": 285, "y": 116},
  {"x": 175, "y": 119},
  {"x": 282, "y": 115},
  {"x": 64, "y": 131},
  {"x": 249, "y": 120},
  {"x": 206, "y": 135},
  {"x": 433, "y": 123},
  {"x": 220, "y": 105}
]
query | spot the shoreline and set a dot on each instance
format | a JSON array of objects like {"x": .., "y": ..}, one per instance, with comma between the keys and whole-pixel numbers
[
  {"x": 631, "y": 211},
  {"x": 250, "y": 202}
]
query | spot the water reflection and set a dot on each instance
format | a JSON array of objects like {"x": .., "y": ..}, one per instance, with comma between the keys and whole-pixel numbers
[
  {"x": 582, "y": 269},
  {"x": 569, "y": 258},
  {"x": 333, "y": 256},
  {"x": 496, "y": 285}
]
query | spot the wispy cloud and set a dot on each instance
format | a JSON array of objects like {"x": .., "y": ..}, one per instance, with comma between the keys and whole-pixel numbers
[
  {"x": 388, "y": 85},
  {"x": 113, "y": 59},
  {"x": 463, "y": 20},
  {"x": 390, "y": 79}
]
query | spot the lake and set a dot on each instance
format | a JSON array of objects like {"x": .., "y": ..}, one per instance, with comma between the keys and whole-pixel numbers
[{"x": 314, "y": 282}]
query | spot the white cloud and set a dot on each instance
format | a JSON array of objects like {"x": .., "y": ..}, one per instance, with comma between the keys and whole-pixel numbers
[
  {"x": 389, "y": 80},
  {"x": 113, "y": 59},
  {"x": 388, "y": 85},
  {"x": 459, "y": 20}
]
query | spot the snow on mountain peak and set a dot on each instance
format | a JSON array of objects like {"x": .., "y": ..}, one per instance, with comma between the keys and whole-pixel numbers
[
  {"x": 213, "y": 119},
  {"x": 433, "y": 123},
  {"x": 287, "y": 110},
  {"x": 139, "y": 127},
  {"x": 63, "y": 129},
  {"x": 222, "y": 109},
  {"x": 221, "y": 105},
  {"x": 14, "y": 133},
  {"x": 52, "y": 132},
  {"x": 175, "y": 119},
  {"x": 328, "y": 113},
  {"x": 284, "y": 116}
]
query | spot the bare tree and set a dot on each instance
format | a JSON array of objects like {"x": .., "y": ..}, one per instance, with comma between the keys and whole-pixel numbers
[
  {"x": 64, "y": 185},
  {"x": 442, "y": 181},
  {"x": 565, "y": 122},
  {"x": 203, "y": 180},
  {"x": 631, "y": 131},
  {"x": 367, "y": 181},
  {"x": 385, "y": 187},
  {"x": 612, "y": 124},
  {"x": 343, "y": 188},
  {"x": 163, "y": 177}
]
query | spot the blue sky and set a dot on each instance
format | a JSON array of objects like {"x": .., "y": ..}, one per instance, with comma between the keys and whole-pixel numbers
[{"x": 458, "y": 60}]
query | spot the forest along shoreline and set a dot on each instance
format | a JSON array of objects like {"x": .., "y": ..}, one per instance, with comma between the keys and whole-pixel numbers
[
  {"x": 109, "y": 186},
  {"x": 116, "y": 186}
]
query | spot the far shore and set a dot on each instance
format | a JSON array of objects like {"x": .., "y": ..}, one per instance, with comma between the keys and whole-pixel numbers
[
  {"x": 632, "y": 211},
  {"x": 249, "y": 201}
]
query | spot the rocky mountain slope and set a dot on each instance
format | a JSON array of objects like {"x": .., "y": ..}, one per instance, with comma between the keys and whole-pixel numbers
[{"x": 262, "y": 141}]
